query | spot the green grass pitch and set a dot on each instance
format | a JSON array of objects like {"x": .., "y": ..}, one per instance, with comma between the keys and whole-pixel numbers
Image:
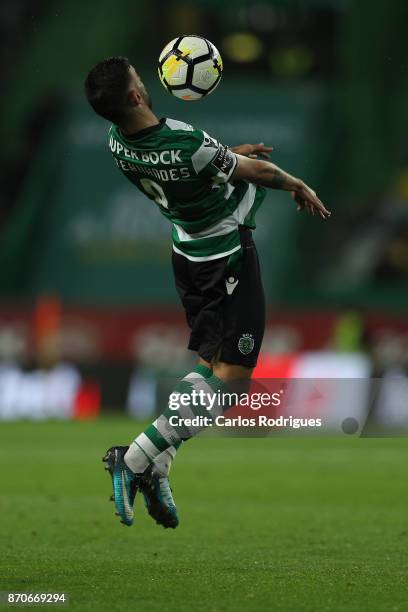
[{"x": 266, "y": 524}]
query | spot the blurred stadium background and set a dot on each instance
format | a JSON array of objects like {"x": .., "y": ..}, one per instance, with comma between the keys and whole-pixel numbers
[{"x": 89, "y": 317}]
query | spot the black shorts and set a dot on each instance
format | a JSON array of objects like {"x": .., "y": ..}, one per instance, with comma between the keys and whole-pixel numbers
[{"x": 224, "y": 303}]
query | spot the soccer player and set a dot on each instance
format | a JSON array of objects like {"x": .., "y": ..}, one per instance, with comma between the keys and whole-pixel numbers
[{"x": 210, "y": 194}]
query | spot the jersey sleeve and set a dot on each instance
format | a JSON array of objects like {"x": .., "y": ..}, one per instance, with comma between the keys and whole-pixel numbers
[{"x": 212, "y": 159}]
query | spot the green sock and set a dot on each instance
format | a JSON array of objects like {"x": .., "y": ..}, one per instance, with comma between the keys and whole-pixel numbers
[{"x": 160, "y": 442}]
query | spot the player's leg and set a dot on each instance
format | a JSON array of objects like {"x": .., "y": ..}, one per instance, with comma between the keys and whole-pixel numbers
[
  {"x": 224, "y": 371},
  {"x": 169, "y": 430},
  {"x": 151, "y": 447},
  {"x": 134, "y": 467},
  {"x": 156, "y": 489},
  {"x": 198, "y": 304},
  {"x": 202, "y": 290},
  {"x": 231, "y": 325},
  {"x": 228, "y": 372},
  {"x": 164, "y": 461}
]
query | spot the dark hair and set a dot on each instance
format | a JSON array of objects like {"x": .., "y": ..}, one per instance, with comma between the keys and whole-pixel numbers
[{"x": 106, "y": 88}]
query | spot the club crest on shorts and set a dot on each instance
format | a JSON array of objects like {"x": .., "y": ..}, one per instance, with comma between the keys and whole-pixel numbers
[{"x": 246, "y": 344}]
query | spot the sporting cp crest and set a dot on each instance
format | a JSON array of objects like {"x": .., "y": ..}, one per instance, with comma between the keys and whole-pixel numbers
[{"x": 246, "y": 344}]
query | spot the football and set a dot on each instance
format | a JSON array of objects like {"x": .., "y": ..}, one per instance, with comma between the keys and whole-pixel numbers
[{"x": 190, "y": 67}]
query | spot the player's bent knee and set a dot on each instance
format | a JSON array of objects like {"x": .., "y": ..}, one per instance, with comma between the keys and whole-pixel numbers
[{"x": 227, "y": 371}]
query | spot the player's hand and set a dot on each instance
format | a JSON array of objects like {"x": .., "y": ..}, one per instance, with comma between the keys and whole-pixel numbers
[
  {"x": 307, "y": 199},
  {"x": 253, "y": 150}
]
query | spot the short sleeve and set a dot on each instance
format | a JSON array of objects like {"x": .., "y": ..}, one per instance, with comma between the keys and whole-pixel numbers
[{"x": 212, "y": 159}]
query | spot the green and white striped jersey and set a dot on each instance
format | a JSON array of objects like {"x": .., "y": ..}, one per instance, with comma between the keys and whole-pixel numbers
[{"x": 188, "y": 174}]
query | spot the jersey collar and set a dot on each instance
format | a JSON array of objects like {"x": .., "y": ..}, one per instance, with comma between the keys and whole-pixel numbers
[{"x": 145, "y": 132}]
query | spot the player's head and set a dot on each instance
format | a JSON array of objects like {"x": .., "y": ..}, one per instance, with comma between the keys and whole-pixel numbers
[{"x": 115, "y": 90}]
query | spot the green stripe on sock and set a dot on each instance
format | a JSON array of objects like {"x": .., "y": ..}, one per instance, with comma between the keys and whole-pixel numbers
[
  {"x": 156, "y": 438},
  {"x": 203, "y": 370},
  {"x": 184, "y": 386}
]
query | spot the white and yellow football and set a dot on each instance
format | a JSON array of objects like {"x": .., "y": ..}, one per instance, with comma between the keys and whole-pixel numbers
[{"x": 190, "y": 67}]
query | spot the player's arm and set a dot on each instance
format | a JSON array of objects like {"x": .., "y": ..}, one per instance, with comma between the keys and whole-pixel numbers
[
  {"x": 268, "y": 175},
  {"x": 252, "y": 150}
]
